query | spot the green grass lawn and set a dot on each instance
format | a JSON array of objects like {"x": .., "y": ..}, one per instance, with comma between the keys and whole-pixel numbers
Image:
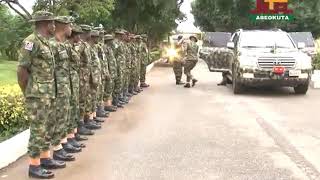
[{"x": 8, "y": 73}]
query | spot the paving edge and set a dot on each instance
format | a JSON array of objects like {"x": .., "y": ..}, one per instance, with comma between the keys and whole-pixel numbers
[
  {"x": 17, "y": 146},
  {"x": 13, "y": 148}
]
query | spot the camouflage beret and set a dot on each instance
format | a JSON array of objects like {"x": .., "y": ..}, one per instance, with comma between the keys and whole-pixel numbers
[
  {"x": 64, "y": 19},
  {"x": 42, "y": 16},
  {"x": 95, "y": 33},
  {"x": 76, "y": 28},
  {"x": 137, "y": 37},
  {"x": 108, "y": 37},
  {"x": 144, "y": 36},
  {"x": 119, "y": 31},
  {"x": 85, "y": 28}
]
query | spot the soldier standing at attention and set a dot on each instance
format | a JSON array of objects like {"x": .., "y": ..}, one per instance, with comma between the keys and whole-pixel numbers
[
  {"x": 104, "y": 73},
  {"x": 59, "y": 44},
  {"x": 191, "y": 60},
  {"x": 177, "y": 63},
  {"x": 36, "y": 79},
  {"x": 75, "y": 86},
  {"x": 86, "y": 73},
  {"x": 144, "y": 62},
  {"x": 119, "y": 51},
  {"x": 113, "y": 83}
]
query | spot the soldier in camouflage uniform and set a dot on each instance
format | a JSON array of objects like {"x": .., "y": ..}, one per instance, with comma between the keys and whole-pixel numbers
[
  {"x": 125, "y": 91},
  {"x": 177, "y": 63},
  {"x": 134, "y": 65},
  {"x": 112, "y": 65},
  {"x": 74, "y": 71},
  {"x": 60, "y": 50},
  {"x": 144, "y": 62},
  {"x": 191, "y": 60},
  {"x": 104, "y": 73},
  {"x": 119, "y": 53},
  {"x": 86, "y": 83},
  {"x": 96, "y": 71},
  {"x": 36, "y": 80}
]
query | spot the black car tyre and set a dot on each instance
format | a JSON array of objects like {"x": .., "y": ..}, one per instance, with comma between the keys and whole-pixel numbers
[{"x": 301, "y": 89}]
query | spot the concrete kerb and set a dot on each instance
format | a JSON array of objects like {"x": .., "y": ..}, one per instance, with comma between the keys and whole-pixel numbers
[
  {"x": 315, "y": 79},
  {"x": 17, "y": 146}
]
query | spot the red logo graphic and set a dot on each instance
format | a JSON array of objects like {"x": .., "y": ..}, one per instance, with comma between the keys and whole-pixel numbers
[{"x": 272, "y": 7}]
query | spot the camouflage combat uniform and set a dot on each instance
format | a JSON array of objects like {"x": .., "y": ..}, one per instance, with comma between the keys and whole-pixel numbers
[
  {"x": 36, "y": 56},
  {"x": 112, "y": 66},
  {"x": 75, "y": 86},
  {"x": 191, "y": 59},
  {"x": 143, "y": 62},
  {"x": 119, "y": 51},
  {"x": 95, "y": 81},
  {"x": 178, "y": 64},
  {"x": 128, "y": 55},
  {"x": 85, "y": 76},
  {"x": 63, "y": 96},
  {"x": 134, "y": 76}
]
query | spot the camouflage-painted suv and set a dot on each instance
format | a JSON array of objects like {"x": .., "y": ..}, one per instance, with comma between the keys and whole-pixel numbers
[{"x": 265, "y": 58}]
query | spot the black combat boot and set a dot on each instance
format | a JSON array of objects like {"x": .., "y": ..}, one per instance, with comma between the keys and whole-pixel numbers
[
  {"x": 187, "y": 85},
  {"x": 194, "y": 81},
  {"x": 144, "y": 85},
  {"x": 111, "y": 108},
  {"x": 99, "y": 120},
  {"x": 49, "y": 163},
  {"x": 90, "y": 124},
  {"x": 82, "y": 130},
  {"x": 78, "y": 137},
  {"x": 101, "y": 112},
  {"x": 75, "y": 143},
  {"x": 62, "y": 155},
  {"x": 39, "y": 172},
  {"x": 71, "y": 149}
]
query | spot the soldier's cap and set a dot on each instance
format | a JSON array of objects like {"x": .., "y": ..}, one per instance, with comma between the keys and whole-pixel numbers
[
  {"x": 137, "y": 37},
  {"x": 144, "y": 36},
  {"x": 42, "y": 16},
  {"x": 95, "y": 33},
  {"x": 100, "y": 29},
  {"x": 64, "y": 19},
  {"x": 120, "y": 31},
  {"x": 85, "y": 28},
  {"x": 192, "y": 36},
  {"x": 108, "y": 37},
  {"x": 76, "y": 28}
]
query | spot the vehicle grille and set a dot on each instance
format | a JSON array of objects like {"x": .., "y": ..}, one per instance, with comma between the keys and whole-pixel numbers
[{"x": 269, "y": 62}]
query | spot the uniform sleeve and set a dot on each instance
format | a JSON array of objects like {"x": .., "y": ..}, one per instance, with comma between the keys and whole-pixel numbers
[{"x": 25, "y": 54}]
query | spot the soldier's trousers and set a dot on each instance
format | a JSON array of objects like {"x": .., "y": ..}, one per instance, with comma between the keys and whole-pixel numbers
[
  {"x": 126, "y": 80},
  {"x": 61, "y": 121},
  {"x": 85, "y": 95},
  {"x": 189, "y": 65},
  {"x": 143, "y": 72},
  {"x": 118, "y": 84},
  {"x": 178, "y": 69},
  {"x": 40, "y": 111},
  {"x": 74, "y": 103},
  {"x": 109, "y": 89},
  {"x": 101, "y": 91}
]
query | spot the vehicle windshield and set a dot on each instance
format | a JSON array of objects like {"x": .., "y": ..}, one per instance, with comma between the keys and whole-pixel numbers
[{"x": 265, "y": 39}]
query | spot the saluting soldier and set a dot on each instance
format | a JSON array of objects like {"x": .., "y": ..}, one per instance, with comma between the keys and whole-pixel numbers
[{"x": 37, "y": 82}]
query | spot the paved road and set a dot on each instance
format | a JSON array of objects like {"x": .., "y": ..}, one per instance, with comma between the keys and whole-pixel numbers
[{"x": 172, "y": 133}]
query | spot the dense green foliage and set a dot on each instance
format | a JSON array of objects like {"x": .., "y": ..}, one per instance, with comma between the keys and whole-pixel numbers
[
  {"x": 13, "y": 118},
  {"x": 13, "y": 29},
  {"x": 8, "y": 74},
  {"x": 228, "y": 15}
]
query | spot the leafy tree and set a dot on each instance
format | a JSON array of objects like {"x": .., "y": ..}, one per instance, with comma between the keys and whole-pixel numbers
[{"x": 228, "y": 15}]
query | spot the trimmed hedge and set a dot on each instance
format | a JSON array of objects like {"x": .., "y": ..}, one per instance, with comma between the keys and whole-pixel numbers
[
  {"x": 316, "y": 62},
  {"x": 12, "y": 112}
]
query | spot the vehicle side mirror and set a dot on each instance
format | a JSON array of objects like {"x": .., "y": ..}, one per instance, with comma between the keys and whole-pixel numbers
[
  {"x": 301, "y": 45},
  {"x": 230, "y": 45}
]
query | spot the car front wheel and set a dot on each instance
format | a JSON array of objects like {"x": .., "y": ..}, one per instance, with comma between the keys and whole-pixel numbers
[{"x": 301, "y": 89}]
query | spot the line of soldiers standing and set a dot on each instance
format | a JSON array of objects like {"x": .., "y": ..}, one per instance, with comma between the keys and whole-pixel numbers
[{"x": 72, "y": 77}]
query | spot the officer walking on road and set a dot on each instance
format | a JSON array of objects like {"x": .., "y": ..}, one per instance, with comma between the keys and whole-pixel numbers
[{"x": 178, "y": 63}]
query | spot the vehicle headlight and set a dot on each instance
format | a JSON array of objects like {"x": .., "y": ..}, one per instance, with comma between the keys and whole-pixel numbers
[
  {"x": 171, "y": 52},
  {"x": 304, "y": 62},
  {"x": 248, "y": 62}
]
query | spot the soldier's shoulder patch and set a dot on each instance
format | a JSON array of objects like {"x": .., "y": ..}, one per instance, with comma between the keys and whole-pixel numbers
[{"x": 28, "y": 45}]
